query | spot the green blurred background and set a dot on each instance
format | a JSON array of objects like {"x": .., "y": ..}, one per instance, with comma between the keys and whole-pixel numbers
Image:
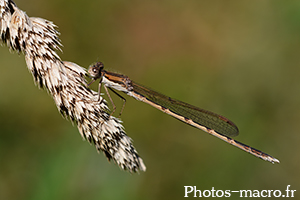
[{"x": 237, "y": 58}]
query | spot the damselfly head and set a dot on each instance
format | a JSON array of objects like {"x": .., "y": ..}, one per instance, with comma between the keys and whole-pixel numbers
[{"x": 95, "y": 70}]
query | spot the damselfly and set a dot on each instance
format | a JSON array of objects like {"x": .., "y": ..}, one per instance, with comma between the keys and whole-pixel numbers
[{"x": 207, "y": 121}]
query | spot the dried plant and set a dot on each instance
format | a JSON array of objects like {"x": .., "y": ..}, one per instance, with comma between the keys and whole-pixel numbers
[{"x": 65, "y": 81}]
